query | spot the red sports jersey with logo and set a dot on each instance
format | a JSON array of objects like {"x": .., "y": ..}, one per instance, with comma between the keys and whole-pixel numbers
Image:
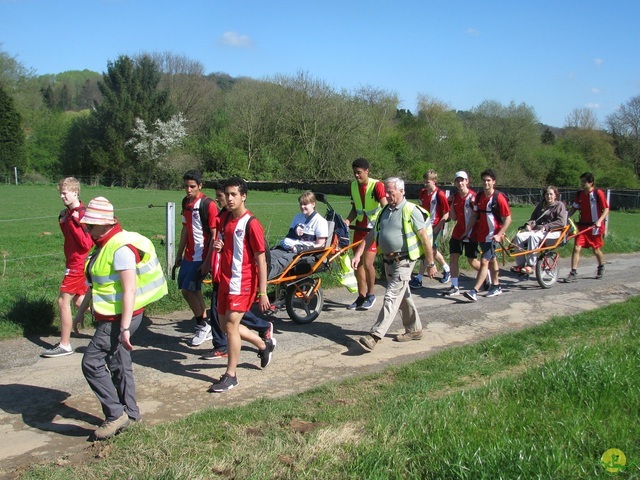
[
  {"x": 238, "y": 272},
  {"x": 435, "y": 203},
  {"x": 198, "y": 235},
  {"x": 591, "y": 206},
  {"x": 487, "y": 224},
  {"x": 463, "y": 208},
  {"x": 77, "y": 241}
]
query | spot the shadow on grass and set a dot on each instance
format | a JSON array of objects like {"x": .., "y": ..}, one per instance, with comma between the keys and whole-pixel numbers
[{"x": 35, "y": 316}]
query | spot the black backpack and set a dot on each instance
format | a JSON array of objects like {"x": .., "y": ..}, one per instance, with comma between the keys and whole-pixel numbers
[
  {"x": 203, "y": 208},
  {"x": 495, "y": 208}
]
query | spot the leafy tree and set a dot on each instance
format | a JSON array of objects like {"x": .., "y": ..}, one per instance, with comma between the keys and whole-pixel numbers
[
  {"x": 624, "y": 125},
  {"x": 11, "y": 135},
  {"x": 508, "y": 138},
  {"x": 130, "y": 90}
]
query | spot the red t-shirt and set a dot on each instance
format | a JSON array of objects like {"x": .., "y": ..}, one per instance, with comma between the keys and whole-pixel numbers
[
  {"x": 591, "y": 205},
  {"x": 463, "y": 208},
  {"x": 487, "y": 224},
  {"x": 77, "y": 241},
  {"x": 238, "y": 272},
  {"x": 435, "y": 203},
  {"x": 198, "y": 235}
]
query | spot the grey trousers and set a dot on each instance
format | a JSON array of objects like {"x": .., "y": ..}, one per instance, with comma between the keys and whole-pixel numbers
[
  {"x": 107, "y": 367},
  {"x": 397, "y": 297}
]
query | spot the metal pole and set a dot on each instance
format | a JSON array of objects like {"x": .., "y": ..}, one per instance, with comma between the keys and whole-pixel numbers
[
  {"x": 15, "y": 172},
  {"x": 171, "y": 236}
]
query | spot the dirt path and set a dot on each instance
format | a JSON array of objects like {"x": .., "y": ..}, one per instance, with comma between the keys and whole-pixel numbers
[{"x": 47, "y": 411}]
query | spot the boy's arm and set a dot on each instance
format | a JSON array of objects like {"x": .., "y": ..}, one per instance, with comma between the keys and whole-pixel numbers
[{"x": 263, "y": 299}]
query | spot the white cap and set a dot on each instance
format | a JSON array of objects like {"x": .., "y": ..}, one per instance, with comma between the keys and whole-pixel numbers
[{"x": 461, "y": 174}]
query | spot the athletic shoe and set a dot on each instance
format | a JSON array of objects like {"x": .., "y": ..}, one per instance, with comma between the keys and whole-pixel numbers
[
  {"x": 369, "y": 342},
  {"x": 572, "y": 277},
  {"x": 268, "y": 333},
  {"x": 203, "y": 333},
  {"x": 494, "y": 292},
  {"x": 451, "y": 291},
  {"x": 226, "y": 382},
  {"x": 109, "y": 428},
  {"x": 446, "y": 277},
  {"x": 368, "y": 302},
  {"x": 358, "y": 303},
  {"x": 408, "y": 336},
  {"x": 265, "y": 354},
  {"x": 213, "y": 354},
  {"x": 600, "y": 271},
  {"x": 57, "y": 351},
  {"x": 472, "y": 295},
  {"x": 415, "y": 283}
]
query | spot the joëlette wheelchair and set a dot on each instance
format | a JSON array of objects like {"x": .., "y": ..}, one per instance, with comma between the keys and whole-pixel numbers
[{"x": 298, "y": 288}]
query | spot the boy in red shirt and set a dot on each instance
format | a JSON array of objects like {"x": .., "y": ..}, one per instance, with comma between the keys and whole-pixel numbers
[
  {"x": 493, "y": 217},
  {"x": 77, "y": 243},
  {"x": 434, "y": 201},
  {"x": 459, "y": 243},
  {"x": 594, "y": 209},
  {"x": 199, "y": 216},
  {"x": 242, "y": 271}
]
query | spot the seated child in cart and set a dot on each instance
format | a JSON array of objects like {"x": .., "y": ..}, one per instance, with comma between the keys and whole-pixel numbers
[{"x": 308, "y": 230}]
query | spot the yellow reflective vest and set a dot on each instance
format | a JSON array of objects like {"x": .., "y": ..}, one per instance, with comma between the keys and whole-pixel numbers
[
  {"x": 414, "y": 246},
  {"x": 106, "y": 286},
  {"x": 371, "y": 207}
]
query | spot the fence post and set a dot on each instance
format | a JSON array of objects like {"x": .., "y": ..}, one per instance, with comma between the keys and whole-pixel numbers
[{"x": 171, "y": 236}]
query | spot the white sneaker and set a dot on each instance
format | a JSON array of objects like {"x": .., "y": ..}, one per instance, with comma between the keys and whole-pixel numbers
[{"x": 203, "y": 333}]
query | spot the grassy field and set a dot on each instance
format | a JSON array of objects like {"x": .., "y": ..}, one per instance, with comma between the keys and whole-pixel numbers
[
  {"x": 546, "y": 402},
  {"x": 33, "y": 261}
]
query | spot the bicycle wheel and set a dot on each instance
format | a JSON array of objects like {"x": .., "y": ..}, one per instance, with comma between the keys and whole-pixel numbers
[
  {"x": 303, "y": 306},
  {"x": 547, "y": 268}
]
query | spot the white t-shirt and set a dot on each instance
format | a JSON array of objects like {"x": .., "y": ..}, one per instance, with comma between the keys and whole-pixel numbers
[{"x": 308, "y": 232}]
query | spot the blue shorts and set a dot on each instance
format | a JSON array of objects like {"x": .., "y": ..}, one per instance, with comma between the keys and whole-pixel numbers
[
  {"x": 435, "y": 239},
  {"x": 189, "y": 276},
  {"x": 488, "y": 250}
]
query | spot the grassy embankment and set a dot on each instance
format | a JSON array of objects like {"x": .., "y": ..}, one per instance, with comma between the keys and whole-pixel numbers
[{"x": 546, "y": 402}]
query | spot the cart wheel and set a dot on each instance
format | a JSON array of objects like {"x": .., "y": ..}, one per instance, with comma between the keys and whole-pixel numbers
[
  {"x": 303, "y": 309},
  {"x": 547, "y": 268}
]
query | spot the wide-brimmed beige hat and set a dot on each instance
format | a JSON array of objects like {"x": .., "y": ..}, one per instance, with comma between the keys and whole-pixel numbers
[{"x": 99, "y": 211}]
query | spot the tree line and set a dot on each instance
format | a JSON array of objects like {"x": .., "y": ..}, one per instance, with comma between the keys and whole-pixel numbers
[{"x": 150, "y": 117}]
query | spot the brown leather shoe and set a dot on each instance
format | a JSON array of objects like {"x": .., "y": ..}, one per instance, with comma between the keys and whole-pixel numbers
[
  {"x": 369, "y": 342},
  {"x": 408, "y": 336}
]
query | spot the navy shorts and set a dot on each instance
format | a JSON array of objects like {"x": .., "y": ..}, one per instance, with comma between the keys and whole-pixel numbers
[
  {"x": 488, "y": 250},
  {"x": 189, "y": 277}
]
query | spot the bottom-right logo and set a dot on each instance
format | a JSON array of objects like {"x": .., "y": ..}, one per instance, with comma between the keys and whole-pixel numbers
[{"x": 614, "y": 461}]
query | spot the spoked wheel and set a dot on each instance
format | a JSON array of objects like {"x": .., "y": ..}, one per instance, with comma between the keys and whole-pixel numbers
[
  {"x": 304, "y": 301},
  {"x": 547, "y": 268}
]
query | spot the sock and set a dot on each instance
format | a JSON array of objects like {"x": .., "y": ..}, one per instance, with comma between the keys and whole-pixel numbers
[
  {"x": 419, "y": 277},
  {"x": 454, "y": 281},
  {"x": 445, "y": 268}
]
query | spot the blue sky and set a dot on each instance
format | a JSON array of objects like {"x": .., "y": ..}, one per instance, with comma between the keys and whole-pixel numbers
[{"x": 554, "y": 56}]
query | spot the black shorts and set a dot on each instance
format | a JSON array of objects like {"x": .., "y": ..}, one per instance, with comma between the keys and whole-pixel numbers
[{"x": 458, "y": 246}]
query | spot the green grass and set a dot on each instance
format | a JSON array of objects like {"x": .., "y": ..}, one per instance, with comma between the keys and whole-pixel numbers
[
  {"x": 546, "y": 402},
  {"x": 31, "y": 243}
]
